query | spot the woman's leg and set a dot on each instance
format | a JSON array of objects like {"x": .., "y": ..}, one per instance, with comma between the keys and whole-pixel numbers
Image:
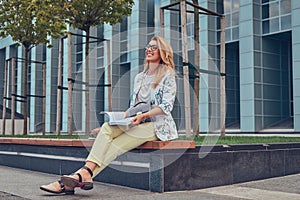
[
  {"x": 129, "y": 140},
  {"x": 96, "y": 156}
]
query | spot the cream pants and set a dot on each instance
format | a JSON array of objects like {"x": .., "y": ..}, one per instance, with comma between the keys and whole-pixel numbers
[{"x": 113, "y": 141}]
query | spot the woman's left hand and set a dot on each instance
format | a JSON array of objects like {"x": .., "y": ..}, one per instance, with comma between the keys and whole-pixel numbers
[{"x": 138, "y": 119}]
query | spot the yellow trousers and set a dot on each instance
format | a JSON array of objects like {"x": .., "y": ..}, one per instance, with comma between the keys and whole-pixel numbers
[{"x": 113, "y": 141}]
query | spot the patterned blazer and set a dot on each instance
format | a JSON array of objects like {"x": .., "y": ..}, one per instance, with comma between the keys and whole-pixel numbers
[{"x": 162, "y": 96}]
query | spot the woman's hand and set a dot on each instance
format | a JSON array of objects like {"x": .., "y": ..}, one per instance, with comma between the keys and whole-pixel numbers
[{"x": 140, "y": 118}]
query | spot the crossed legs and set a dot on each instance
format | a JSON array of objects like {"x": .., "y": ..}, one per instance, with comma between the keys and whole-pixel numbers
[{"x": 111, "y": 142}]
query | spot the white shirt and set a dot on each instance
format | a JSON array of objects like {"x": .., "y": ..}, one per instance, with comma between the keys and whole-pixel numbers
[{"x": 144, "y": 93}]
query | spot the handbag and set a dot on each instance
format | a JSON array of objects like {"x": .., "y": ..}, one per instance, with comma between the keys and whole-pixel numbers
[{"x": 139, "y": 108}]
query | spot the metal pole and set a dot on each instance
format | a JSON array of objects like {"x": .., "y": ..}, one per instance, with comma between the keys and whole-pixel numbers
[
  {"x": 44, "y": 99},
  {"x": 13, "y": 97},
  {"x": 70, "y": 111},
  {"x": 87, "y": 88},
  {"x": 59, "y": 90},
  {"x": 222, "y": 81},
  {"x": 162, "y": 22},
  {"x": 196, "y": 73},
  {"x": 109, "y": 76},
  {"x": 4, "y": 97},
  {"x": 185, "y": 68}
]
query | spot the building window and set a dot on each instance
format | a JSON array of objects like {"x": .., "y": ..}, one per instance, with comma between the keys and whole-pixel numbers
[
  {"x": 276, "y": 16},
  {"x": 230, "y": 8}
]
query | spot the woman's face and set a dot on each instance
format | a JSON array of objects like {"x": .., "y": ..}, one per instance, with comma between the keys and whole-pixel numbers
[{"x": 152, "y": 52}]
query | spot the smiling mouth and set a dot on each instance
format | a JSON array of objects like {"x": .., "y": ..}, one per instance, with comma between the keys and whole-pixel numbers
[{"x": 150, "y": 54}]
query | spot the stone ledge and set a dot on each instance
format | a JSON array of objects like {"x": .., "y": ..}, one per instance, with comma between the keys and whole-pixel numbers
[
  {"x": 164, "y": 170},
  {"x": 175, "y": 144}
]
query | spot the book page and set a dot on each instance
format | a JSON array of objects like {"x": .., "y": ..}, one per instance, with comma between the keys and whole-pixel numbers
[{"x": 117, "y": 118}]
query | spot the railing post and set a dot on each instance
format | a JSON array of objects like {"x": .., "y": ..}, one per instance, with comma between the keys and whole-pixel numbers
[{"x": 4, "y": 97}]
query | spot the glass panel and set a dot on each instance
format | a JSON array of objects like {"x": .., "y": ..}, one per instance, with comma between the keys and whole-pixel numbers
[
  {"x": 227, "y": 20},
  {"x": 227, "y": 4},
  {"x": 235, "y": 19},
  {"x": 228, "y": 34},
  {"x": 274, "y": 25},
  {"x": 266, "y": 28},
  {"x": 220, "y": 6},
  {"x": 235, "y": 4},
  {"x": 265, "y": 11},
  {"x": 235, "y": 33},
  {"x": 286, "y": 22},
  {"x": 274, "y": 9},
  {"x": 285, "y": 7}
]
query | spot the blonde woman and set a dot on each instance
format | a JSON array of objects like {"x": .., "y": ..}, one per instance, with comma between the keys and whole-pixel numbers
[{"x": 155, "y": 85}]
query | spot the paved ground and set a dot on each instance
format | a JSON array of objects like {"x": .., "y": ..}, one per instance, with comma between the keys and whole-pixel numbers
[{"x": 17, "y": 184}]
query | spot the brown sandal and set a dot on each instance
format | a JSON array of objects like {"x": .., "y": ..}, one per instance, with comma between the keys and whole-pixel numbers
[
  {"x": 52, "y": 189},
  {"x": 72, "y": 182}
]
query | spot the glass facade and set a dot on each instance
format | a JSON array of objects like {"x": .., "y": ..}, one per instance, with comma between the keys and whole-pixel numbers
[
  {"x": 276, "y": 16},
  {"x": 262, "y": 89}
]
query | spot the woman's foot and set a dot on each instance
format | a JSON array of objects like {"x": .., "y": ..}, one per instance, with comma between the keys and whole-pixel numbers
[
  {"x": 82, "y": 178},
  {"x": 57, "y": 187}
]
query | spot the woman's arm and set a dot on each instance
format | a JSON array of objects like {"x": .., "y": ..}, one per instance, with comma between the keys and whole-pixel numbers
[
  {"x": 153, "y": 112},
  {"x": 168, "y": 93}
]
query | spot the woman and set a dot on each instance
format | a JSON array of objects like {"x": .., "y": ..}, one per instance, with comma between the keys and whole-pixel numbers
[{"x": 155, "y": 85}]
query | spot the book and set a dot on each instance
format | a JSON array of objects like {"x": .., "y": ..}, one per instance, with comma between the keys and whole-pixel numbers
[{"x": 117, "y": 118}]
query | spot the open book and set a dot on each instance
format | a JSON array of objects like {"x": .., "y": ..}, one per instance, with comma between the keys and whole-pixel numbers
[{"x": 117, "y": 118}]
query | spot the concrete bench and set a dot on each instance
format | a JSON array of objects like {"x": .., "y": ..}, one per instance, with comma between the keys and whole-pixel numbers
[
  {"x": 175, "y": 144},
  {"x": 170, "y": 168}
]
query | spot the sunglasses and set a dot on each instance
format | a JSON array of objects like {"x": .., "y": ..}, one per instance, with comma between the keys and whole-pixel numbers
[{"x": 151, "y": 47}]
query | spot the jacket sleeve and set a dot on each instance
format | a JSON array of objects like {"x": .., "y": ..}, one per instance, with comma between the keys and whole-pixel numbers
[
  {"x": 137, "y": 80},
  {"x": 167, "y": 94}
]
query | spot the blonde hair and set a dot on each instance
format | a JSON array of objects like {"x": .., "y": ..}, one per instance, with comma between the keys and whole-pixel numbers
[{"x": 166, "y": 56}]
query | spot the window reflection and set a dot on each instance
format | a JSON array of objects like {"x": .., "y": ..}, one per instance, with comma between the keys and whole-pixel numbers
[
  {"x": 274, "y": 9},
  {"x": 276, "y": 15},
  {"x": 231, "y": 11},
  {"x": 285, "y": 7}
]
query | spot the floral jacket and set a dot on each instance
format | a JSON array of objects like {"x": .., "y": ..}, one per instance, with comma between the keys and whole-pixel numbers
[{"x": 164, "y": 97}]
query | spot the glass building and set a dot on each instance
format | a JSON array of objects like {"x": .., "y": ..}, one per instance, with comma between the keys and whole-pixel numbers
[{"x": 262, "y": 66}]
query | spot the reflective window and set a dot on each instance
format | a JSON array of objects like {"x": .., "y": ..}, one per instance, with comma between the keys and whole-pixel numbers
[
  {"x": 235, "y": 19},
  {"x": 274, "y": 25},
  {"x": 227, "y": 6},
  {"x": 276, "y": 15},
  {"x": 274, "y": 9},
  {"x": 231, "y": 10},
  {"x": 286, "y": 22},
  {"x": 285, "y": 7}
]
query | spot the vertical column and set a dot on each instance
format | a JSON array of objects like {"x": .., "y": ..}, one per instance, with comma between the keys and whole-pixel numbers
[
  {"x": 59, "y": 87},
  {"x": 13, "y": 97},
  {"x": 222, "y": 81},
  {"x": 31, "y": 102},
  {"x": 296, "y": 62},
  {"x": 44, "y": 100},
  {"x": 209, "y": 95},
  {"x": 134, "y": 27},
  {"x": 185, "y": 69},
  {"x": 4, "y": 97},
  {"x": 108, "y": 78},
  {"x": 19, "y": 79},
  {"x": 49, "y": 53},
  {"x": 70, "y": 102},
  {"x": 251, "y": 107}
]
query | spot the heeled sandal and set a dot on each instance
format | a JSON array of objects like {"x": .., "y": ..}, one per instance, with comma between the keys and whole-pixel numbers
[
  {"x": 72, "y": 182},
  {"x": 52, "y": 189}
]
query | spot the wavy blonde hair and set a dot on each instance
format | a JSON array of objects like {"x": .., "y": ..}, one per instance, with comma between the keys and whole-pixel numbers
[{"x": 166, "y": 59}]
